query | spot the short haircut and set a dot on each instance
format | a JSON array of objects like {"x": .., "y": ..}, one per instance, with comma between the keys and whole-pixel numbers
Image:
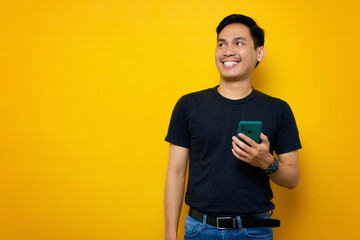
[{"x": 257, "y": 33}]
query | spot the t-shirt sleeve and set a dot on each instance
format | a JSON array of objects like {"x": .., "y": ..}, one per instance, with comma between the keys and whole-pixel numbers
[
  {"x": 178, "y": 132},
  {"x": 287, "y": 139}
]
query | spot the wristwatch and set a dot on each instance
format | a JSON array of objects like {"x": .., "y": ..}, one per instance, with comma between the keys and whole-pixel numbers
[{"x": 273, "y": 167}]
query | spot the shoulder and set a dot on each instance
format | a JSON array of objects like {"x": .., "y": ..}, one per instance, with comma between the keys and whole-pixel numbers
[
  {"x": 267, "y": 98},
  {"x": 273, "y": 105},
  {"x": 190, "y": 101},
  {"x": 270, "y": 101},
  {"x": 195, "y": 97},
  {"x": 199, "y": 94}
]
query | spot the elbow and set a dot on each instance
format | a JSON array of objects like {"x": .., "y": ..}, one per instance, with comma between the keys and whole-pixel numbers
[
  {"x": 293, "y": 184},
  {"x": 178, "y": 173}
]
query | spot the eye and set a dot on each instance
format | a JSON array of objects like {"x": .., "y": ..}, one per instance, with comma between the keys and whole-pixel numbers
[
  {"x": 221, "y": 45},
  {"x": 239, "y": 43}
]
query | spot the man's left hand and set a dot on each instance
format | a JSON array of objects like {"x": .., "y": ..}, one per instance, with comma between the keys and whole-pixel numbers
[{"x": 257, "y": 155}]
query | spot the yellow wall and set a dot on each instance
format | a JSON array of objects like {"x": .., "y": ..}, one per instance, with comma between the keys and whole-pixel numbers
[{"x": 86, "y": 93}]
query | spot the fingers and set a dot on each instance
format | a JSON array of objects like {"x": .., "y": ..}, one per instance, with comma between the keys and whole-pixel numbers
[
  {"x": 264, "y": 138},
  {"x": 251, "y": 142},
  {"x": 240, "y": 149},
  {"x": 255, "y": 154},
  {"x": 243, "y": 146},
  {"x": 238, "y": 156}
]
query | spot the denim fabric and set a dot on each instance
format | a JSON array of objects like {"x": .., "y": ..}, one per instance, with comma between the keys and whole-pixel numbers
[{"x": 195, "y": 230}]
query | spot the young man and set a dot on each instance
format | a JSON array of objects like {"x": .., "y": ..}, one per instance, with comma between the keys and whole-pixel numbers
[{"x": 228, "y": 188}]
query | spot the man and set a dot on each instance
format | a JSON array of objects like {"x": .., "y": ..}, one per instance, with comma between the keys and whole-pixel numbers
[{"x": 228, "y": 191}]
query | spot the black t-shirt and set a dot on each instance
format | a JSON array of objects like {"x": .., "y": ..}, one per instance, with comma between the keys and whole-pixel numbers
[{"x": 219, "y": 183}]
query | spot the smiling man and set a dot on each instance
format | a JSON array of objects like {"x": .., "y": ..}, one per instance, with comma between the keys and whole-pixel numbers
[{"x": 228, "y": 190}]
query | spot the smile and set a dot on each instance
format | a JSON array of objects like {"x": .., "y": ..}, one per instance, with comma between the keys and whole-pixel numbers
[{"x": 230, "y": 64}]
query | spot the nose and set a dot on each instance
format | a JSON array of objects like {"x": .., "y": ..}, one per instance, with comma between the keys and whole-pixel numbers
[{"x": 229, "y": 51}]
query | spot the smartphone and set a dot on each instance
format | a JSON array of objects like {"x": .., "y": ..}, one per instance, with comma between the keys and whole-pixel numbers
[{"x": 251, "y": 129}]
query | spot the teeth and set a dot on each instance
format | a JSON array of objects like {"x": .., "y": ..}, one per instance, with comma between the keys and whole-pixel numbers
[{"x": 230, "y": 63}]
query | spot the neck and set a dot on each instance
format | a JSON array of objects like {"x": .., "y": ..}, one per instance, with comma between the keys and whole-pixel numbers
[{"x": 234, "y": 90}]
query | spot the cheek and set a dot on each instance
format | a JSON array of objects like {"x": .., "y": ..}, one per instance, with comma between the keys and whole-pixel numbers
[
  {"x": 249, "y": 56},
  {"x": 218, "y": 65},
  {"x": 218, "y": 54},
  {"x": 217, "y": 59},
  {"x": 244, "y": 52}
]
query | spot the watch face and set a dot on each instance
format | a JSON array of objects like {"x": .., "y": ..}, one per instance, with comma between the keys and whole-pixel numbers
[{"x": 273, "y": 167}]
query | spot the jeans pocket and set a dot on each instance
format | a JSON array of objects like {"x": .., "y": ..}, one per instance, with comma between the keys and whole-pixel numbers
[
  {"x": 192, "y": 227},
  {"x": 259, "y": 232}
]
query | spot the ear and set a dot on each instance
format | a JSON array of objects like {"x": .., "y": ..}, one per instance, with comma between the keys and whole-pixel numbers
[{"x": 260, "y": 53}]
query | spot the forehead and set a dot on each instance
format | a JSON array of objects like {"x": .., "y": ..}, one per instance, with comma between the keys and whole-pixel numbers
[{"x": 235, "y": 30}]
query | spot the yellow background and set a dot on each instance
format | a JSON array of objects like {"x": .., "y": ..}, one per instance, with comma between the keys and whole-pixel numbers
[{"x": 86, "y": 93}]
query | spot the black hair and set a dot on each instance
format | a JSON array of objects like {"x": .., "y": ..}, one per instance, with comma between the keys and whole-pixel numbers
[{"x": 257, "y": 33}]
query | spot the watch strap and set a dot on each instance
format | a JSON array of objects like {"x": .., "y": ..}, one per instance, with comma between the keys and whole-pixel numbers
[{"x": 273, "y": 167}]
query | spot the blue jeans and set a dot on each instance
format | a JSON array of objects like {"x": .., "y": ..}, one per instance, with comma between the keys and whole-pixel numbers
[{"x": 195, "y": 230}]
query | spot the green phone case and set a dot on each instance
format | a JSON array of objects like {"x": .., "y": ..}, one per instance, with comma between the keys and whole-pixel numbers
[{"x": 251, "y": 129}]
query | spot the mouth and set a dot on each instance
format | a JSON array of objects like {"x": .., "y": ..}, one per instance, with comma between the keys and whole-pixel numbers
[{"x": 230, "y": 63}]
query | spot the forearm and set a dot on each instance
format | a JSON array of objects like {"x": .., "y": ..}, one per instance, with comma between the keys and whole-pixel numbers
[
  {"x": 174, "y": 192},
  {"x": 258, "y": 155},
  {"x": 286, "y": 176}
]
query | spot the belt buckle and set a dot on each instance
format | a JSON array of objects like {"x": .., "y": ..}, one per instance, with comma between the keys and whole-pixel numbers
[{"x": 229, "y": 223}]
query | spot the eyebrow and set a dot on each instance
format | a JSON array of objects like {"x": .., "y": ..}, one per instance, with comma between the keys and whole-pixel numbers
[{"x": 236, "y": 38}]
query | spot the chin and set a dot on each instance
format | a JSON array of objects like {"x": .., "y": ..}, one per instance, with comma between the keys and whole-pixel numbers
[
  {"x": 235, "y": 77},
  {"x": 231, "y": 78}
]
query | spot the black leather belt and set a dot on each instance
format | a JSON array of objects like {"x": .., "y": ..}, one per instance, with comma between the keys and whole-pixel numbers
[{"x": 247, "y": 221}]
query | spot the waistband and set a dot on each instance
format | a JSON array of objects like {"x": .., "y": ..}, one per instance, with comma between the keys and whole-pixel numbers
[{"x": 231, "y": 222}]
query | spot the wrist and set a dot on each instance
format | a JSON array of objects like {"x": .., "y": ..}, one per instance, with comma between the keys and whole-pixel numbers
[
  {"x": 273, "y": 167},
  {"x": 269, "y": 161}
]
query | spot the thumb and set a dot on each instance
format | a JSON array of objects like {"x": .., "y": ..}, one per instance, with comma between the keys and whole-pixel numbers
[{"x": 264, "y": 138}]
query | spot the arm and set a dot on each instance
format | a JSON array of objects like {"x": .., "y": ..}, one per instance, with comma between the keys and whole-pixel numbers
[
  {"x": 174, "y": 189},
  {"x": 288, "y": 173},
  {"x": 258, "y": 155}
]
